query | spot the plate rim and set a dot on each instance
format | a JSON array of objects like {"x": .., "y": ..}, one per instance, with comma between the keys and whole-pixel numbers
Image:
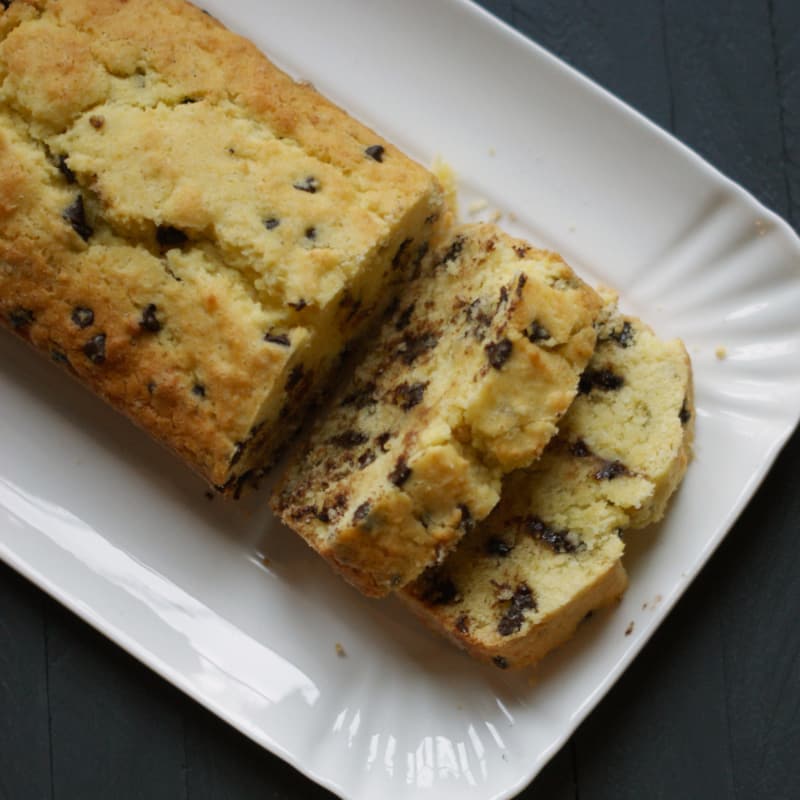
[{"x": 782, "y": 435}]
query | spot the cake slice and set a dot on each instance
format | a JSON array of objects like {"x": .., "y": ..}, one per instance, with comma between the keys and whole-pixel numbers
[
  {"x": 521, "y": 582},
  {"x": 190, "y": 232},
  {"x": 466, "y": 381}
]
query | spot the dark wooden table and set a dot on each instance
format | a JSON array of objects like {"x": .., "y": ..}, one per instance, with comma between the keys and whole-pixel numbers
[{"x": 711, "y": 709}]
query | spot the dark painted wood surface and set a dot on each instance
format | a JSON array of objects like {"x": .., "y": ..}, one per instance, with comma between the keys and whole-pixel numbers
[{"x": 711, "y": 709}]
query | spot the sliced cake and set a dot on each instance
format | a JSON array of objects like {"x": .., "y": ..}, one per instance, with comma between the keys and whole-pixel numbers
[
  {"x": 519, "y": 584},
  {"x": 465, "y": 382}
]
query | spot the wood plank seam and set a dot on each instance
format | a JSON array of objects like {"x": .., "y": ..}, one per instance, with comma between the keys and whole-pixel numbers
[
  {"x": 46, "y": 631},
  {"x": 777, "y": 63},
  {"x": 667, "y": 66}
]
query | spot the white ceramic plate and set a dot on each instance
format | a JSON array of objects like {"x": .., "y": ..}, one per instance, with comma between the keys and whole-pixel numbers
[{"x": 237, "y": 612}]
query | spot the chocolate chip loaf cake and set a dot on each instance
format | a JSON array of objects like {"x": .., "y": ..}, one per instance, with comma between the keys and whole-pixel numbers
[
  {"x": 191, "y": 233},
  {"x": 470, "y": 373},
  {"x": 521, "y": 582}
]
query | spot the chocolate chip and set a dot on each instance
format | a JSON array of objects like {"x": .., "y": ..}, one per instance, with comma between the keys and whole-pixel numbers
[
  {"x": 462, "y": 624},
  {"x": 401, "y": 472},
  {"x": 437, "y": 589},
  {"x": 362, "y": 397},
  {"x": 309, "y": 184},
  {"x": 96, "y": 121},
  {"x": 21, "y": 318},
  {"x": 299, "y": 305},
  {"x": 500, "y": 662},
  {"x": 495, "y": 546},
  {"x": 59, "y": 357},
  {"x": 188, "y": 101},
  {"x": 521, "y": 601},
  {"x": 409, "y": 395},
  {"x": 299, "y": 513},
  {"x": 149, "y": 321},
  {"x": 271, "y": 223},
  {"x": 349, "y": 439},
  {"x": 366, "y": 458},
  {"x": 404, "y": 318},
  {"x": 75, "y": 214},
  {"x": 557, "y": 541},
  {"x": 521, "y": 251},
  {"x": 478, "y": 318},
  {"x": 332, "y": 510},
  {"x": 603, "y": 379},
  {"x": 68, "y": 174},
  {"x": 83, "y": 317},
  {"x": 454, "y": 251},
  {"x": 430, "y": 219},
  {"x": 580, "y": 449},
  {"x": 422, "y": 251},
  {"x": 95, "y": 349},
  {"x": 624, "y": 337},
  {"x": 281, "y": 339},
  {"x": 499, "y": 352},
  {"x": 375, "y": 152},
  {"x": 397, "y": 259},
  {"x": 294, "y": 378},
  {"x": 536, "y": 332},
  {"x": 413, "y": 346},
  {"x": 523, "y": 279},
  {"x": 199, "y": 390},
  {"x": 382, "y": 440},
  {"x": 684, "y": 415},
  {"x": 467, "y": 521},
  {"x": 362, "y": 512},
  {"x": 151, "y": 387},
  {"x": 503, "y": 295},
  {"x": 611, "y": 470},
  {"x": 169, "y": 236},
  {"x": 311, "y": 233}
]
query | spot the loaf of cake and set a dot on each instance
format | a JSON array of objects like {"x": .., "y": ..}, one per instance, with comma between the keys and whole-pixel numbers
[
  {"x": 549, "y": 554},
  {"x": 190, "y": 232},
  {"x": 465, "y": 382}
]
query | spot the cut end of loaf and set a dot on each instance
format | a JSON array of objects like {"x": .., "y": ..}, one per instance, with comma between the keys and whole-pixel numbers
[{"x": 471, "y": 372}]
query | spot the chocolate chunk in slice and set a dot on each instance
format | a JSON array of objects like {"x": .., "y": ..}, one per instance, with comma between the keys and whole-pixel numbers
[
  {"x": 75, "y": 215},
  {"x": 95, "y": 349}
]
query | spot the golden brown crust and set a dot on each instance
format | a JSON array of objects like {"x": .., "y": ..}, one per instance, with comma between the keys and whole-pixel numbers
[{"x": 137, "y": 141}]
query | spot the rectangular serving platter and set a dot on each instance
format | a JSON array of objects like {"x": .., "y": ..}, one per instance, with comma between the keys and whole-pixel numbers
[{"x": 224, "y": 603}]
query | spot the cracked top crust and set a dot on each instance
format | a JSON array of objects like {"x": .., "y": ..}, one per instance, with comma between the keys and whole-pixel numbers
[
  {"x": 219, "y": 232},
  {"x": 470, "y": 373}
]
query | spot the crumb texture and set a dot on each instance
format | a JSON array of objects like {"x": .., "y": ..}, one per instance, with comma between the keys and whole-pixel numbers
[
  {"x": 549, "y": 554},
  {"x": 473, "y": 367},
  {"x": 193, "y": 234}
]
